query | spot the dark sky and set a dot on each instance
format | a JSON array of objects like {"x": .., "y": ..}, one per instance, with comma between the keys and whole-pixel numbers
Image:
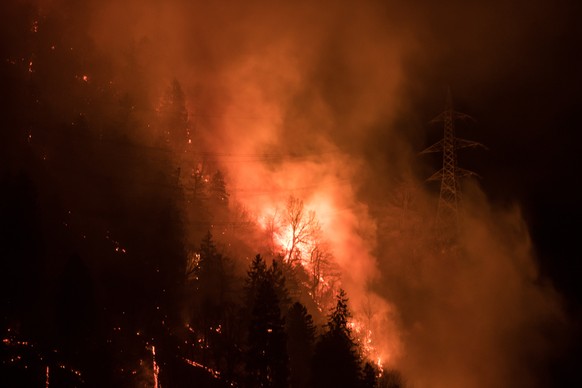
[
  {"x": 515, "y": 67},
  {"x": 523, "y": 88}
]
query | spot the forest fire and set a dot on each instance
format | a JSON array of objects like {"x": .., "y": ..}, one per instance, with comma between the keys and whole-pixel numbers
[{"x": 231, "y": 195}]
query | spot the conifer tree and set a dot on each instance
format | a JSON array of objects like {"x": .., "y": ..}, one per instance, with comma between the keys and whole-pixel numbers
[
  {"x": 300, "y": 345},
  {"x": 256, "y": 274},
  {"x": 218, "y": 192},
  {"x": 391, "y": 379},
  {"x": 369, "y": 376},
  {"x": 211, "y": 297},
  {"x": 174, "y": 116},
  {"x": 280, "y": 284},
  {"x": 336, "y": 362},
  {"x": 266, "y": 352}
]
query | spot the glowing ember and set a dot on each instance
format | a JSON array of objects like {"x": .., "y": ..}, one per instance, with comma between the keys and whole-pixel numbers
[
  {"x": 155, "y": 368},
  {"x": 214, "y": 373}
]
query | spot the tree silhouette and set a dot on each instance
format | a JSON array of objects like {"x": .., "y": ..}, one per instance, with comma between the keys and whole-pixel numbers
[
  {"x": 369, "y": 376},
  {"x": 338, "y": 319},
  {"x": 218, "y": 193},
  {"x": 322, "y": 266},
  {"x": 300, "y": 345},
  {"x": 336, "y": 362},
  {"x": 174, "y": 117},
  {"x": 302, "y": 226},
  {"x": 211, "y": 283},
  {"x": 256, "y": 274},
  {"x": 391, "y": 379},
  {"x": 277, "y": 275},
  {"x": 266, "y": 355}
]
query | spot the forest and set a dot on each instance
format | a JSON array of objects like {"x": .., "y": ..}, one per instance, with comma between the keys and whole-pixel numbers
[{"x": 117, "y": 268}]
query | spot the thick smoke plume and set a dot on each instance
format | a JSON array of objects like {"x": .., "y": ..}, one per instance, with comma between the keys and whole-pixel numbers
[{"x": 314, "y": 100}]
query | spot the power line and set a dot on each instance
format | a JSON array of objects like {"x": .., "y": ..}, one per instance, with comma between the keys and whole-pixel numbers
[
  {"x": 344, "y": 182},
  {"x": 256, "y": 158}
]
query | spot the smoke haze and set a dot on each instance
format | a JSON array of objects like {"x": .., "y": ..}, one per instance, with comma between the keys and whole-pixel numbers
[{"x": 330, "y": 102}]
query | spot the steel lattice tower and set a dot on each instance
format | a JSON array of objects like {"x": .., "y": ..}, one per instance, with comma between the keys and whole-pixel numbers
[{"x": 449, "y": 205}]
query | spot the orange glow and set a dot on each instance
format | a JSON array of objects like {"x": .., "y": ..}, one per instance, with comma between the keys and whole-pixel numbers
[
  {"x": 322, "y": 104},
  {"x": 344, "y": 229},
  {"x": 155, "y": 368}
]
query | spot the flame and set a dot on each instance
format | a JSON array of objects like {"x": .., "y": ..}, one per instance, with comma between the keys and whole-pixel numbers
[{"x": 334, "y": 220}]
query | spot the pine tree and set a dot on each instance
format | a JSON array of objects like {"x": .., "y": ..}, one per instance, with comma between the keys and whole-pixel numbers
[
  {"x": 198, "y": 210},
  {"x": 211, "y": 298},
  {"x": 256, "y": 274},
  {"x": 266, "y": 358},
  {"x": 218, "y": 193},
  {"x": 174, "y": 116},
  {"x": 369, "y": 376},
  {"x": 300, "y": 345},
  {"x": 212, "y": 270},
  {"x": 338, "y": 319},
  {"x": 280, "y": 284},
  {"x": 391, "y": 379},
  {"x": 336, "y": 362}
]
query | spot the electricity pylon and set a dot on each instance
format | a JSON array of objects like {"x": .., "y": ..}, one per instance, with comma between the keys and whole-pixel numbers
[{"x": 449, "y": 206}]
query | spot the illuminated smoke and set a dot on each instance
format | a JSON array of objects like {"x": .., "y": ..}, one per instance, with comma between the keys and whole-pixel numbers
[{"x": 291, "y": 99}]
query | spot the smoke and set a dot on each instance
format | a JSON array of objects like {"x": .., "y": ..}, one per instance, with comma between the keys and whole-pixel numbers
[
  {"x": 315, "y": 99},
  {"x": 473, "y": 317}
]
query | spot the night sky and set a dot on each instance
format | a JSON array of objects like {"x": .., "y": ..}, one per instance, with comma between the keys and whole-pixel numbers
[{"x": 517, "y": 74}]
